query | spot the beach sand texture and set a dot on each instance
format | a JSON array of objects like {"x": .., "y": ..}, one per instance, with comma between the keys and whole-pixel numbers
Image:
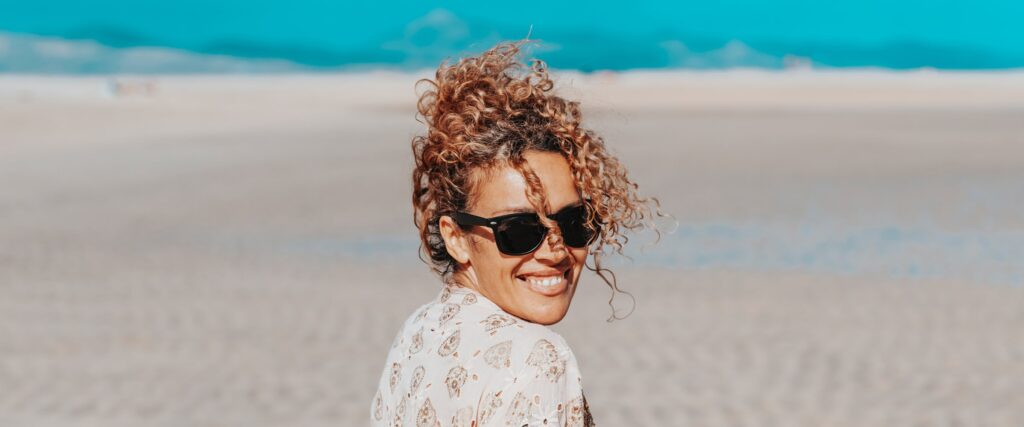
[{"x": 239, "y": 251}]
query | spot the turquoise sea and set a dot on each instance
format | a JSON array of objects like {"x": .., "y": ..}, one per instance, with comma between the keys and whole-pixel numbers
[{"x": 64, "y": 36}]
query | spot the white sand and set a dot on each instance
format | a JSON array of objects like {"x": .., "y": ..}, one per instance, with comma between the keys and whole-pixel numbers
[{"x": 238, "y": 251}]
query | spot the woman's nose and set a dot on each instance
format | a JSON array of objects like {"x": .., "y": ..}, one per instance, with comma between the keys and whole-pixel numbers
[{"x": 552, "y": 249}]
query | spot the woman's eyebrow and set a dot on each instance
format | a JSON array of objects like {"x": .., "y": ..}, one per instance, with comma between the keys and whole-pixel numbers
[{"x": 515, "y": 210}]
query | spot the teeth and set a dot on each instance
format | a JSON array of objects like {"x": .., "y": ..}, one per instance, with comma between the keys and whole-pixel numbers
[{"x": 550, "y": 281}]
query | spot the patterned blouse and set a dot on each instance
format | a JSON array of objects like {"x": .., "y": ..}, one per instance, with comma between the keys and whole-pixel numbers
[{"x": 462, "y": 361}]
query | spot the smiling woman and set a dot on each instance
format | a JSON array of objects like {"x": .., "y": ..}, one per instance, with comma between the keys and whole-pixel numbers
[{"x": 511, "y": 196}]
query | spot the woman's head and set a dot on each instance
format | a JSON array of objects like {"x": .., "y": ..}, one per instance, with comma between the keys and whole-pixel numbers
[{"x": 498, "y": 142}]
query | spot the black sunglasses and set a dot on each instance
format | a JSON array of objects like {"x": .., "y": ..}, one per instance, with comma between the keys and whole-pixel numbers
[{"x": 523, "y": 233}]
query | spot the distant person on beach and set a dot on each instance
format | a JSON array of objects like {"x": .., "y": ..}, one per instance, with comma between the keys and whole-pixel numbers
[{"x": 510, "y": 195}]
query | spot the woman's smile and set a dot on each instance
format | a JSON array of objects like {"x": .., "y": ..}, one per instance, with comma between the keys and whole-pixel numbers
[{"x": 547, "y": 283}]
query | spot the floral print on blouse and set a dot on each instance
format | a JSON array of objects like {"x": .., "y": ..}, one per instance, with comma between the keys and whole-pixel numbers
[{"x": 462, "y": 361}]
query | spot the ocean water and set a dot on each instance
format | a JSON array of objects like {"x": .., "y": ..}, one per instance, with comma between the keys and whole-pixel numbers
[{"x": 103, "y": 36}]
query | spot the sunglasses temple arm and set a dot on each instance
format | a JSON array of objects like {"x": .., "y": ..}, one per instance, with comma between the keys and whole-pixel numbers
[{"x": 469, "y": 219}]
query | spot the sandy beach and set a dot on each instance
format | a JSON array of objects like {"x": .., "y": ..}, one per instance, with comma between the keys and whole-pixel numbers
[{"x": 239, "y": 250}]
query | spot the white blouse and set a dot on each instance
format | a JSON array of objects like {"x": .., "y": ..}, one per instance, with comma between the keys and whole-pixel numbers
[{"x": 460, "y": 360}]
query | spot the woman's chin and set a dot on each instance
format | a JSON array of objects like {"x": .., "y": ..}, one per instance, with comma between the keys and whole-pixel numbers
[
  {"x": 542, "y": 300},
  {"x": 545, "y": 310},
  {"x": 548, "y": 318}
]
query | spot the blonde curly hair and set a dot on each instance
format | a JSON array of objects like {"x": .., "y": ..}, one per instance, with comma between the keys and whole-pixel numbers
[{"x": 487, "y": 111}]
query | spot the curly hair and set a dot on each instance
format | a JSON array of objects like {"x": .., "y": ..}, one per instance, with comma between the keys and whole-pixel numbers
[{"x": 486, "y": 111}]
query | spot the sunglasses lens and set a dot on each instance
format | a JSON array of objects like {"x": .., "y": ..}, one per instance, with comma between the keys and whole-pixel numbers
[
  {"x": 519, "y": 235},
  {"x": 572, "y": 222}
]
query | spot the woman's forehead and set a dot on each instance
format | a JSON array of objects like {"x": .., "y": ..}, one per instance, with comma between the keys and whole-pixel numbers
[{"x": 502, "y": 189}]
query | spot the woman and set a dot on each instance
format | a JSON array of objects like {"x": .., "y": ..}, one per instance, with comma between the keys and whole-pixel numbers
[{"x": 510, "y": 194}]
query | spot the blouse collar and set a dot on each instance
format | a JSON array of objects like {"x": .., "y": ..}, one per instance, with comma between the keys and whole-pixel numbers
[{"x": 453, "y": 289}]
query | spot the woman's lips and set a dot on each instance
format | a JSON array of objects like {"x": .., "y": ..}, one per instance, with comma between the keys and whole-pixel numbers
[{"x": 547, "y": 285}]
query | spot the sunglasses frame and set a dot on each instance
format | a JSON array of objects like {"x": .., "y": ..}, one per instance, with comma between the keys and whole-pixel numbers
[{"x": 463, "y": 218}]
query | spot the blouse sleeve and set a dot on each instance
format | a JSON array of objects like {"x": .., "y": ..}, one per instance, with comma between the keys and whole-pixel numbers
[{"x": 541, "y": 389}]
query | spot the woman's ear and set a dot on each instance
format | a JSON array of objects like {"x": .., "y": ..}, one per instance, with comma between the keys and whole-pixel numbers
[{"x": 454, "y": 240}]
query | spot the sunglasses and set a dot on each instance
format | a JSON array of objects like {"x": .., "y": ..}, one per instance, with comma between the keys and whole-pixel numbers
[{"x": 523, "y": 233}]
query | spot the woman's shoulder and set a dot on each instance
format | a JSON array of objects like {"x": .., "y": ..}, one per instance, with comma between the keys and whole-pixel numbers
[
  {"x": 460, "y": 354},
  {"x": 519, "y": 370}
]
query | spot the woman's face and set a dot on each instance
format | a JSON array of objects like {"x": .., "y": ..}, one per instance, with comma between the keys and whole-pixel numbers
[{"x": 537, "y": 286}]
